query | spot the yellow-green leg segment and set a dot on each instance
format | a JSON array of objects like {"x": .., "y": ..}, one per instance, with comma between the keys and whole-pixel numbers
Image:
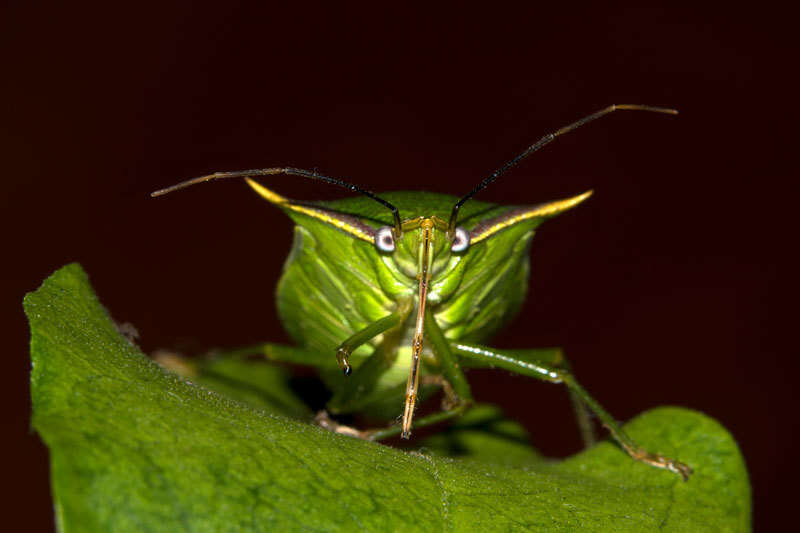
[{"x": 481, "y": 356}]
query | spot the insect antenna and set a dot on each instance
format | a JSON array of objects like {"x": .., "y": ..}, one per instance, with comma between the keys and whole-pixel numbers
[
  {"x": 547, "y": 139},
  {"x": 291, "y": 172}
]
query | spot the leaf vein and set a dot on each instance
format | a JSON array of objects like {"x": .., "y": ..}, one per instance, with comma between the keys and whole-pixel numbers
[{"x": 434, "y": 471}]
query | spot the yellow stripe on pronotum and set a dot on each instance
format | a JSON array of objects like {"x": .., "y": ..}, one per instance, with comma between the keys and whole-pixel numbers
[
  {"x": 544, "y": 210},
  {"x": 319, "y": 214}
]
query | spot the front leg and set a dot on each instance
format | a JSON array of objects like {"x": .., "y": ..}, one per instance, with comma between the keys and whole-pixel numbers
[
  {"x": 362, "y": 382},
  {"x": 488, "y": 357}
]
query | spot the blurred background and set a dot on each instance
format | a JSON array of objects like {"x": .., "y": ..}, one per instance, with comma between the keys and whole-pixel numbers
[{"x": 670, "y": 286}]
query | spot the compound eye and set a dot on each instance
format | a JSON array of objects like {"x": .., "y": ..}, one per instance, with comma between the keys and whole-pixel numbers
[
  {"x": 384, "y": 239},
  {"x": 460, "y": 241}
]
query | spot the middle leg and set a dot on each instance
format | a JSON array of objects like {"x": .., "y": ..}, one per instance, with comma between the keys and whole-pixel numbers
[
  {"x": 553, "y": 357},
  {"x": 488, "y": 357}
]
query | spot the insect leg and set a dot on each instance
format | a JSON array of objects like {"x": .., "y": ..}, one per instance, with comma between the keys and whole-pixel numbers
[
  {"x": 487, "y": 357},
  {"x": 366, "y": 376},
  {"x": 368, "y": 333},
  {"x": 453, "y": 411},
  {"x": 450, "y": 366},
  {"x": 360, "y": 386},
  {"x": 458, "y": 395},
  {"x": 323, "y": 420},
  {"x": 451, "y": 399},
  {"x": 555, "y": 357},
  {"x": 428, "y": 420},
  {"x": 455, "y": 406}
]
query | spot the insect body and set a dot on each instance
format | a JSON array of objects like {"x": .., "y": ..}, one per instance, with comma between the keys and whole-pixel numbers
[{"x": 404, "y": 287}]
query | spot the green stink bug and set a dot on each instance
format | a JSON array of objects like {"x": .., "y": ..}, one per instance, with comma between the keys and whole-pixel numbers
[{"x": 402, "y": 283}]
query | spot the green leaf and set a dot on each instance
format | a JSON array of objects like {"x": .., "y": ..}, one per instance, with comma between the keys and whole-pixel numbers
[
  {"x": 136, "y": 448},
  {"x": 254, "y": 383}
]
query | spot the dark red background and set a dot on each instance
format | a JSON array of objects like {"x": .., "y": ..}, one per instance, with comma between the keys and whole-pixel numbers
[{"x": 668, "y": 287}]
